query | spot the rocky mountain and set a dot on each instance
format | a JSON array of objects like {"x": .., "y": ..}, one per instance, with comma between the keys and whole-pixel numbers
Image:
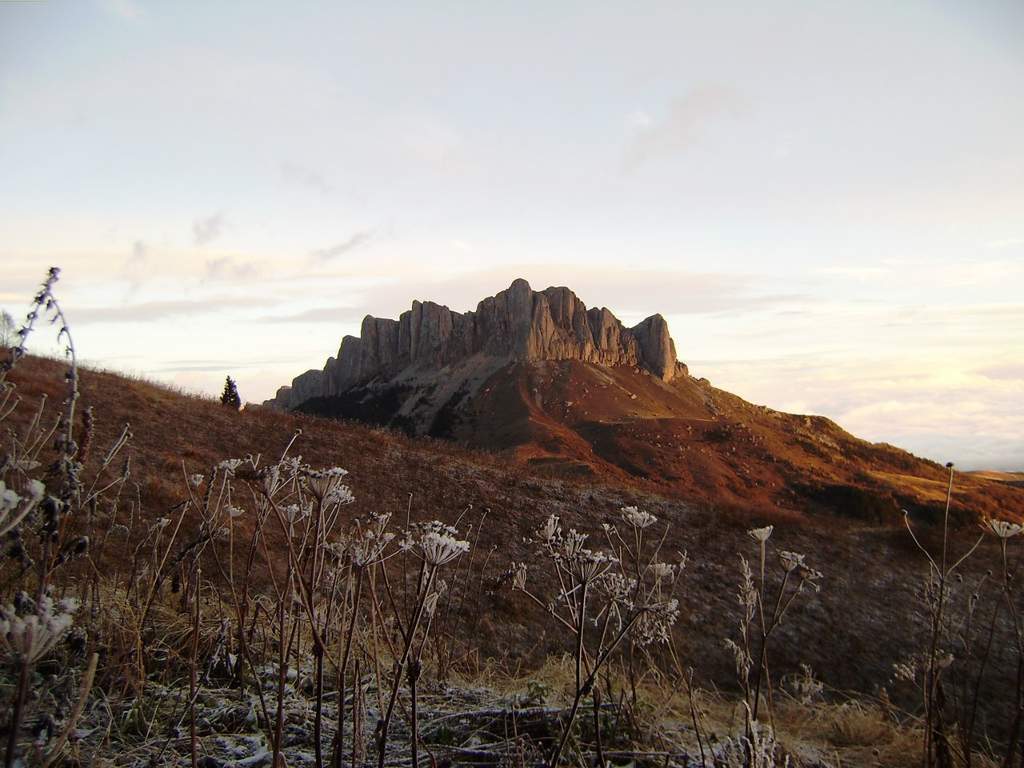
[
  {"x": 571, "y": 392},
  {"x": 515, "y": 325}
]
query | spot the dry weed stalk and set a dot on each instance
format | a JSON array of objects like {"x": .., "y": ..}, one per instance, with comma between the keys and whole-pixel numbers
[{"x": 602, "y": 600}]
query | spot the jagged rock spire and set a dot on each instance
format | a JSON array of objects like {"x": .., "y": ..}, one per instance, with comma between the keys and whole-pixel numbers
[{"x": 518, "y": 324}]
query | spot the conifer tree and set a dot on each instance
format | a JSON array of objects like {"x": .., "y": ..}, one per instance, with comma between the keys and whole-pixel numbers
[{"x": 229, "y": 397}]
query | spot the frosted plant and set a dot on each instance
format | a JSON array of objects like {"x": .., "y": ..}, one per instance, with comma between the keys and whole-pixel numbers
[
  {"x": 369, "y": 544},
  {"x": 322, "y": 483},
  {"x": 638, "y": 518},
  {"x": 10, "y": 517},
  {"x": 339, "y": 495},
  {"x": 790, "y": 561},
  {"x": 196, "y": 480},
  {"x": 1003, "y": 528},
  {"x": 662, "y": 571},
  {"x": 435, "y": 543},
  {"x": 655, "y": 622},
  {"x": 588, "y": 566},
  {"x": 761, "y": 534},
  {"x": 550, "y": 531},
  {"x": 804, "y": 687},
  {"x": 29, "y": 637},
  {"x": 229, "y": 466},
  {"x": 518, "y": 576},
  {"x": 233, "y": 511},
  {"x": 293, "y": 513}
]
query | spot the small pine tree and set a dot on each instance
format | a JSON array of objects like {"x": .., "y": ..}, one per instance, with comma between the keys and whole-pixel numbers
[{"x": 229, "y": 397}]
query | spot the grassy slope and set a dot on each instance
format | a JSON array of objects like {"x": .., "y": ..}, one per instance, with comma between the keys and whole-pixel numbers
[
  {"x": 866, "y": 617},
  {"x": 689, "y": 440}
]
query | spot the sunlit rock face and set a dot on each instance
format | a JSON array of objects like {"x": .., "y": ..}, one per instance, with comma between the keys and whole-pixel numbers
[{"x": 515, "y": 325}]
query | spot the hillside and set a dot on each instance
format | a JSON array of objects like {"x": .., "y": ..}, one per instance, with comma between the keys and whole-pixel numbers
[
  {"x": 844, "y": 633},
  {"x": 571, "y": 392}
]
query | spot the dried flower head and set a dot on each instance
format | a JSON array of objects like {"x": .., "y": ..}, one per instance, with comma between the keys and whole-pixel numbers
[
  {"x": 638, "y": 518},
  {"x": 323, "y": 482},
  {"x": 519, "y": 576},
  {"x": 663, "y": 571},
  {"x": 550, "y": 531},
  {"x": 29, "y": 634},
  {"x": 761, "y": 534},
  {"x": 790, "y": 561},
  {"x": 228, "y": 466},
  {"x": 1004, "y": 529},
  {"x": 435, "y": 543}
]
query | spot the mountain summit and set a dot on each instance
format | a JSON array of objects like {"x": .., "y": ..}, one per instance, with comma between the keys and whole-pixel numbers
[
  {"x": 571, "y": 392},
  {"x": 515, "y": 325}
]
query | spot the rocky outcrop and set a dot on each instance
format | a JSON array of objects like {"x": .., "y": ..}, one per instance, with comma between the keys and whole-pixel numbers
[{"x": 517, "y": 324}]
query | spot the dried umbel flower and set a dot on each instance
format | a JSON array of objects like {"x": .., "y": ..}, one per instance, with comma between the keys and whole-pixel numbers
[
  {"x": 810, "y": 575},
  {"x": 323, "y": 482},
  {"x": 663, "y": 571},
  {"x": 790, "y": 561},
  {"x": 588, "y": 565},
  {"x": 550, "y": 531},
  {"x": 435, "y": 543},
  {"x": 369, "y": 544},
  {"x": 28, "y": 636},
  {"x": 228, "y": 466},
  {"x": 761, "y": 534},
  {"x": 519, "y": 576},
  {"x": 1003, "y": 528},
  {"x": 195, "y": 480},
  {"x": 233, "y": 511},
  {"x": 338, "y": 495},
  {"x": 655, "y": 622},
  {"x": 293, "y": 513},
  {"x": 638, "y": 518}
]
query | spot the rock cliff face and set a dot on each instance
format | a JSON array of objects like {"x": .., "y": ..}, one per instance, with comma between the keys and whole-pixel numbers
[{"x": 517, "y": 325}]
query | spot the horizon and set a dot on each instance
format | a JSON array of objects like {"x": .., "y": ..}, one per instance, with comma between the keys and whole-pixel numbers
[{"x": 827, "y": 204}]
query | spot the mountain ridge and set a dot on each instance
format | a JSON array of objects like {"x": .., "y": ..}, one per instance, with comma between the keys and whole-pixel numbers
[{"x": 517, "y": 324}]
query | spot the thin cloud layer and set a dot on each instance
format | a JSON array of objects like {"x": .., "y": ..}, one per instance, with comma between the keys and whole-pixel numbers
[{"x": 207, "y": 229}]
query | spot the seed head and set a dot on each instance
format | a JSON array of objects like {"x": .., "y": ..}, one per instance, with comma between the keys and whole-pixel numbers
[
  {"x": 638, "y": 518},
  {"x": 1003, "y": 528}
]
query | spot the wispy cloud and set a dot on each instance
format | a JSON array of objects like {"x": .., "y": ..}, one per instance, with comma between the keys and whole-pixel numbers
[
  {"x": 207, "y": 229},
  {"x": 228, "y": 268},
  {"x": 331, "y": 315},
  {"x": 358, "y": 240},
  {"x": 301, "y": 176},
  {"x": 683, "y": 126},
  {"x": 152, "y": 311}
]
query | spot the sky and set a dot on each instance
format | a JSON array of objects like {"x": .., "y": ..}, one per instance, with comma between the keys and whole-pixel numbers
[{"x": 824, "y": 199}]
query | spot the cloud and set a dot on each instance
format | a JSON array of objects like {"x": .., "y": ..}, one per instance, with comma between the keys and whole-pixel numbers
[
  {"x": 681, "y": 128},
  {"x": 207, "y": 229},
  {"x": 206, "y": 366},
  {"x": 301, "y": 176},
  {"x": 152, "y": 311},
  {"x": 226, "y": 268},
  {"x": 332, "y": 315},
  {"x": 1003, "y": 372},
  {"x": 358, "y": 240}
]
